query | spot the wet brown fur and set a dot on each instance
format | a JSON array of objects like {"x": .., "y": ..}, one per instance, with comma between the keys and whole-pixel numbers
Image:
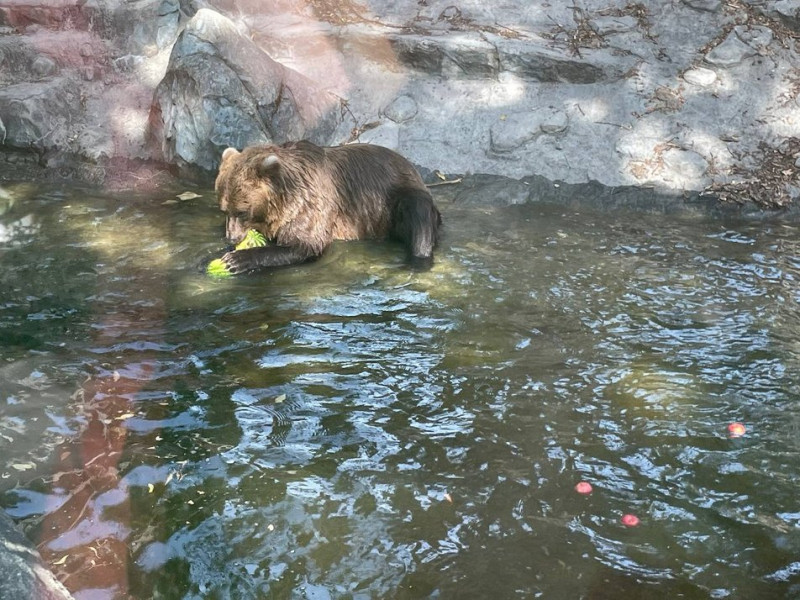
[{"x": 303, "y": 196}]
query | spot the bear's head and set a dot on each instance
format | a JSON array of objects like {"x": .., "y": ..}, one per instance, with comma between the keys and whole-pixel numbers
[{"x": 249, "y": 189}]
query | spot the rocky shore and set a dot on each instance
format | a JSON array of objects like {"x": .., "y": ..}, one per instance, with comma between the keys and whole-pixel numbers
[{"x": 683, "y": 97}]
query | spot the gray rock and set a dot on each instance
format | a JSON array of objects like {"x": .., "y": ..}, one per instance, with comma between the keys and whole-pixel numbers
[
  {"x": 23, "y": 576},
  {"x": 518, "y": 129},
  {"x": 96, "y": 145},
  {"x": 757, "y": 37},
  {"x": 44, "y": 66},
  {"x": 731, "y": 52},
  {"x": 704, "y": 5},
  {"x": 787, "y": 11},
  {"x": 700, "y": 77},
  {"x": 167, "y": 7},
  {"x": 685, "y": 169},
  {"x": 606, "y": 25},
  {"x": 402, "y": 109},
  {"x": 128, "y": 63},
  {"x": 440, "y": 78},
  {"x": 143, "y": 26},
  {"x": 168, "y": 20},
  {"x": 2, "y": 132},
  {"x": 221, "y": 90},
  {"x": 496, "y": 191},
  {"x": 385, "y": 134},
  {"x": 37, "y": 115},
  {"x": 540, "y": 63},
  {"x": 462, "y": 56},
  {"x": 167, "y": 29}
]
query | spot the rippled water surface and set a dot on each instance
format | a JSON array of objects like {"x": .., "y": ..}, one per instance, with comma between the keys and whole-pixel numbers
[{"x": 351, "y": 429}]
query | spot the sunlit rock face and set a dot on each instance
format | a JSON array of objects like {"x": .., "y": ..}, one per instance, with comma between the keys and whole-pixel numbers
[
  {"x": 704, "y": 84},
  {"x": 221, "y": 90}
]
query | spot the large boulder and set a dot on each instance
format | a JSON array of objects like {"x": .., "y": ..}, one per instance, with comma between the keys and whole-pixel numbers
[
  {"x": 23, "y": 576},
  {"x": 37, "y": 116},
  {"x": 221, "y": 90}
]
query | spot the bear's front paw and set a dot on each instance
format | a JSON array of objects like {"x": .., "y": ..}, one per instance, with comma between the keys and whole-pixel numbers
[{"x": 241, "y": 261}]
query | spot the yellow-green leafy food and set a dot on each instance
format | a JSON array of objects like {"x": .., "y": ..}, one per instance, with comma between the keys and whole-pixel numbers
[
  {"x": 253, "y": 239},
  {"x": 217, "y": 268}
]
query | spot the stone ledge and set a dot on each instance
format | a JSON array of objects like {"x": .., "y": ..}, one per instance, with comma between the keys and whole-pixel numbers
[{"x": 23, "y": 575}]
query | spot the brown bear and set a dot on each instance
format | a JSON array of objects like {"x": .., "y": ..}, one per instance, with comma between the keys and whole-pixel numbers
[{"x": 302, "y": 197}]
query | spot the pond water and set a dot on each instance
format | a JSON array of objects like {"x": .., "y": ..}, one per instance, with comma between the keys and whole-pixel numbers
[{"x": 352, "y": 429}]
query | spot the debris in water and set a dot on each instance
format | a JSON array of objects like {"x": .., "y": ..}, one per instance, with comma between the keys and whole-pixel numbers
[
  {"x": 737, "y": 429},
  {"x": 630, "y": 520}
]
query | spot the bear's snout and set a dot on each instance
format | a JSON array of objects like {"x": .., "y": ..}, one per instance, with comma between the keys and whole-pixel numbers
[{"x": 235, "y": 229}]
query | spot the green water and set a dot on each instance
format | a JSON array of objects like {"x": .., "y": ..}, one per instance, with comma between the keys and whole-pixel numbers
[{"x": 351, "y": 429}]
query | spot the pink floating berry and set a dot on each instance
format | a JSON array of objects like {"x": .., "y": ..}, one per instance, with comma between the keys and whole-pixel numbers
[
  {"x": 583, "y": 487},
  {"x": 737, "y": 429},
  {"x": 630, "y": 520}
]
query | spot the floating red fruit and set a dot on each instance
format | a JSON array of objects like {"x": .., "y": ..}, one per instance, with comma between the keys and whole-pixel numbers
[
  {"x": 630, "y": 520},
  {"x": 583, "y": 487},
  {"x": 737, "y": 429}
]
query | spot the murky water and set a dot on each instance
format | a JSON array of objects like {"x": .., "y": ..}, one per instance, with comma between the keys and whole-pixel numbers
[{"x": 350, "y": 429}]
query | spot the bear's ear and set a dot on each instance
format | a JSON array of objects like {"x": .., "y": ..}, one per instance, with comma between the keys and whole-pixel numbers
[
  {"x": 228, "y": 153},
  {"x": 269, "y": 166}
]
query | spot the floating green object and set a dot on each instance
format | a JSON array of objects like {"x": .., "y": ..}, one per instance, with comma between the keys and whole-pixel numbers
[
  {"x": 253, "y": 239},
  {"x": 217, "y": 268}
]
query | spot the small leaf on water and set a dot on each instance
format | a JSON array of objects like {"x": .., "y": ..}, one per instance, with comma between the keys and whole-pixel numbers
[
  {"x": 190, "y": 502},
  {"x": 150, "y": 488},
  {"x": 280, "y": 398},
  {"x": 187, "y": 196},
  {"x": 116, "y": 376},
  {"x": 125, "y": 416},
  {"x": 169, "y": 478},
  {"x": 61, "y": 560},
  {"x": 271, "y": 527},
  {"x": 26, "y": 466}
]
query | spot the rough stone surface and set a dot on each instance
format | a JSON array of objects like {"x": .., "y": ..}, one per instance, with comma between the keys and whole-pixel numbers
[
  {"x": 700, "y": 76},
  {"x": 402, "y": 109},
  {"x": 221, "y": 90},
  {"x": 731, "y": 52},
  {"x": 514, "y": 131},
  {"x": 36, "y": 117},
  {"x": 22, "y": 574},
  {"x": 43, "y": 66},
  {"x": 385, "y": 134},
  {"x": 705, "y": 5},
  {"x": 670, "y": 94}
]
